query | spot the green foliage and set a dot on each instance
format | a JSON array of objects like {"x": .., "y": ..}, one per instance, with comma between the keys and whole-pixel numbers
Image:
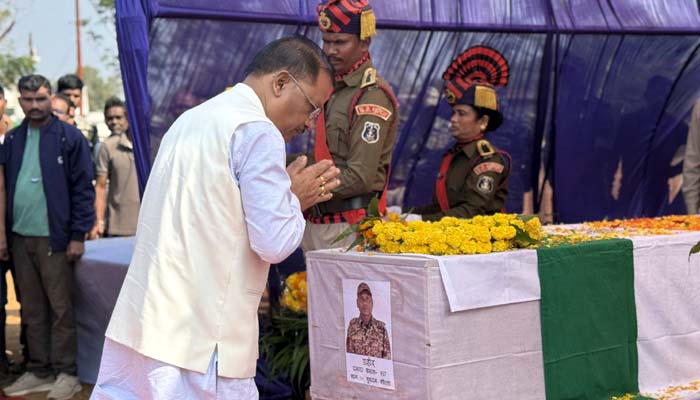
[
  {"x": 99, "y": 88},
  {"x": 693, "y": 250},
  {"x": 285, "y": 344},
  {"x": 12, "y": 68},
  {"x": 357, "y": 229},
  {"x": 106, "y": 18}
]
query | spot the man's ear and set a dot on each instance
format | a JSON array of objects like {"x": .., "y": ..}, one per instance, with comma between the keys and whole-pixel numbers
[{"x": 279, "y": 81}]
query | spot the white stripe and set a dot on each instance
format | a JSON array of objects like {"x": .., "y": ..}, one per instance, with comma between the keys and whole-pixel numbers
[{"x": 667, "y": 296}]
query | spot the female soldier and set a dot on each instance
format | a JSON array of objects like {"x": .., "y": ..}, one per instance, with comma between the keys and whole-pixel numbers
[{"x": 473, "y": 178}]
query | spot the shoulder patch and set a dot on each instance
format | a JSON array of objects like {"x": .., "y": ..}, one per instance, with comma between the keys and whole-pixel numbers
[
  {"x": 370, "y": 132},
  {"x": 369, "y": 77},
  {"x": 373, "y": 109},
  {"x": 487, "y": 167},
  {"x": 485, "y": 184},
  {"x": 484, "y": 147}
]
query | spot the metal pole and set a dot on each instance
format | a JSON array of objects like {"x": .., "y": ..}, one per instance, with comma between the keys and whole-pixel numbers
[{"x": 77, "y": 32}]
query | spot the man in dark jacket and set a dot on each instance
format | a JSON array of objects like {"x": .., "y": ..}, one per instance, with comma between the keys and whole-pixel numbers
[{"x": 50, "y": 199}]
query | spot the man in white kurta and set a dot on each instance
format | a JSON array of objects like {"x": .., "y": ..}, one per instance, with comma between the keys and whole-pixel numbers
[{"x": 219, "y": 207}]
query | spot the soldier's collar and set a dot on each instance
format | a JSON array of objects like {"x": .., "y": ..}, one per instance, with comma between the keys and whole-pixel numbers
[
  {"x": 368, "y": 324},
  {"x": 469, "y": 146},
  {"x": 353, "y": 77}
]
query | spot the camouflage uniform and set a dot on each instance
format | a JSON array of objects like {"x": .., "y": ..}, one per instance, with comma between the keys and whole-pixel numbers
[
  {"x": 476, "y": 183},
  {"x": 368, "y": 340}
]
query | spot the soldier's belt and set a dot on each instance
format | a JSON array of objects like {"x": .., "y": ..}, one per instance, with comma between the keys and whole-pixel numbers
[{"x": 352, "y": 203}]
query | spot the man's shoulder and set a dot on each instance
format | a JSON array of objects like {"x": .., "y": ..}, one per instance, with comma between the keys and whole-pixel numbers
[
  {"x": 378, "y": 92},
  {"x": 379, "y": 324},
  {"x": 112, "y": 140}
]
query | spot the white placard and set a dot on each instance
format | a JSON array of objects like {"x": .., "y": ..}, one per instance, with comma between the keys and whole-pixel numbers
[{"x": 367, "y": 312}]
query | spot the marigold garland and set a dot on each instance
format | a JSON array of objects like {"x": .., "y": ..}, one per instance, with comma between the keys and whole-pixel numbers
[
  {"x": 450, "y": 236},
  {"x": 294, "y": 294},
  {"x": 497, "y": 233}
]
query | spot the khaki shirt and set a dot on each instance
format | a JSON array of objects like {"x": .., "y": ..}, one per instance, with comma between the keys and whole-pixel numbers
[
  {"x": 116, "y": 162},
  {"x": 691, "y": 163},
  {"x": 368, "y": 340},
  {"x": 475, "y": 185},
  {"x": 360, "y": 144}
]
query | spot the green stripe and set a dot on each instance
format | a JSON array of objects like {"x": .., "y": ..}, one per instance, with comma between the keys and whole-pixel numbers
[{"x": 589, "y": 321}]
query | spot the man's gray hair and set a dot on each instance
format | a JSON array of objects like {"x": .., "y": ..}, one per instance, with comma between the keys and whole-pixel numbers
[{"x": 296, "y": 54}]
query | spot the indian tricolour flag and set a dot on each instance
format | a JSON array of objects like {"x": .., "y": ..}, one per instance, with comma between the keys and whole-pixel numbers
[
  {"x": 617, "y": 316},
  {"x": 620, "y": 316}
]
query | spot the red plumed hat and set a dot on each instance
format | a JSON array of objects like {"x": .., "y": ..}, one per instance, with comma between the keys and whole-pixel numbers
[{"x": 471, "y": 79}]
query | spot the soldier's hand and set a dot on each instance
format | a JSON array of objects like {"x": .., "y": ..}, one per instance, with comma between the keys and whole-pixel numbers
[{"x": 313, "y": 184}]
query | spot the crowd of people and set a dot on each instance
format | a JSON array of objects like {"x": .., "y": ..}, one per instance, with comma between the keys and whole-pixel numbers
[{"x": 59, "y": 187}]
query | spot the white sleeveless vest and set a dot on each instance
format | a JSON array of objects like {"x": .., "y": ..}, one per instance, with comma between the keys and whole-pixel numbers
[{"x": 194, "y": 284}]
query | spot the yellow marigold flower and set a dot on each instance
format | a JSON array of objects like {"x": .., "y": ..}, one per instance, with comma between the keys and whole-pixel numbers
[
  {"x": 533, "y": 227},
  {"x": 468, "y": 247},
  {"x": 390, "y": 247},
  {"x": 393, "y": 217},
  {"x": 366, "y": 225},
  {"x": 518, "y": 223},
  {"x": 438, "y": 248},
  {"x": 503, "y": 232},
  {"x": 500, "y": 245}
]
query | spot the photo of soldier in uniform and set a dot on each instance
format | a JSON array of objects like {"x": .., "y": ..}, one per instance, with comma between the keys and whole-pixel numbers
[{"x": 367, "y": 335}]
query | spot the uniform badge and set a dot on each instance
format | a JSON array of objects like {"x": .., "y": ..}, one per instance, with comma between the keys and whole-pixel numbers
[
  {"x": 485, "y": 184},
  {"x": 369, "y": 78},
  {"x": 373, "y": 109},
  {"x": 488, "y": 166},
  {"x": 370, "y": 132},
  {"x": 450, "y": 96},
  {"x": 324, "y": 21}
]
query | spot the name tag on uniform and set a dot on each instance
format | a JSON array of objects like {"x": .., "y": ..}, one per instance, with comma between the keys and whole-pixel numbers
[
  {"x": 373, "y": 109},
  {"x": 488, "y": 166}
]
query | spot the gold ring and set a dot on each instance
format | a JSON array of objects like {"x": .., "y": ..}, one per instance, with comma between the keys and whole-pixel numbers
[
  {"x": 323, "y": 180},
  {"x": 323, "y": 191}
]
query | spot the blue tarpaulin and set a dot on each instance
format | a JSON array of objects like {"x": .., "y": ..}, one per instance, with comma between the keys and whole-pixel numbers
[{"x": 598, "y": 99}]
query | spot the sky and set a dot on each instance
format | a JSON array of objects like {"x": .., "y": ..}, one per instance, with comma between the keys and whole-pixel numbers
[{"x": 52, "y": 25}]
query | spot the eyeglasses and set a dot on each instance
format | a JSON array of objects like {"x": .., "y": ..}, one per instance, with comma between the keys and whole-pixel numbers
[{"x": 317, "y": 110}]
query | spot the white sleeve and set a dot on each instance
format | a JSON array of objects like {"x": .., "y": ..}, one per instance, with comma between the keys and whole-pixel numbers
[{"x": 272, "y": 212}]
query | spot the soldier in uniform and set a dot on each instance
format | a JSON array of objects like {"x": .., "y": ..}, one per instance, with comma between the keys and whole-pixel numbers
[
  {"x": 358, "y": 125},
  {"x": 473, "y": 177},
  {"x": 367, "y": 336}
]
